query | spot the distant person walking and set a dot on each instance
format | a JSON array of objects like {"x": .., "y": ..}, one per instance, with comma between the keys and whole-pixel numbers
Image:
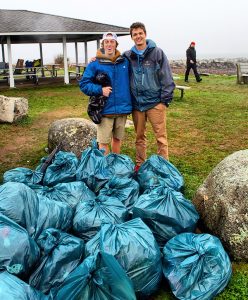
[{"x": 191, "y": 63}]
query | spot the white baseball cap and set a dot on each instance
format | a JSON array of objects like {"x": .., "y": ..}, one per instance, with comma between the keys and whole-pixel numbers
[{"x": 109, "y": 36}]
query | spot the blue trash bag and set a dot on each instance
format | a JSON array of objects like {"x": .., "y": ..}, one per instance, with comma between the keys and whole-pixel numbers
[
  {"x": 135, "y": 248},
  {"x": 23, "y": 175},
  {"x": 13, "y": 288},
  {"x": 18, "y": 251},
  {"x": 53, "y": 214},
  {"x": 36, "y": 187},
  {"x": 196, "y": 266},
  {"x": 166, "y": 212},
  {"x": 20, "y": 203},
  {"x": 32, "y": 211},
  {"x": 61, "y": 254},
  {"x": 124, "y": 189},
  {"x": 99, "y": 277},
  {"x": 62, "y": 169},
  {"x": 93, "y": 168},
  {"x": 90, "y": 214},
  {"x": 71, "y": 192},
  {"x": 120, "y": 165},
  {"x": 156, "y": 171}
]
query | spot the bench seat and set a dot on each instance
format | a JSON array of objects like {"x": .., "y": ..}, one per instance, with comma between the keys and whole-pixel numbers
[
  {"x": 182, "y": 88},
  {"x": 242, "y": 73}
]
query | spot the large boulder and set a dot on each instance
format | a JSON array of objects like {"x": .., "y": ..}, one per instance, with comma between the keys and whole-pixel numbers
[
  {"x": 222, "y": 202},
  {"x": 12, "y": 109},
  {"x": 74, "y": 133}
]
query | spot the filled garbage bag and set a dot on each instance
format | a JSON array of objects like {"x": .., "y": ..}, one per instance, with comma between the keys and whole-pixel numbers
[
  {"x": 99, "y": 277},
  {"x": 93, "y": 168},
  {"x": 23, "y": 175},
  {"x": 166, "y": 212},
  {"x": 90, "y": 214},
  {"x": 71, "y": 192},
  {"x": 62, "y": 169},
  {"x": 53, "y": 214},
  {"x": 18, "y": 251},
  {"x": 157, "y": 169},
  {"x": 196, "y": 266},
  {"x": 133, "y": 245},
  {"x": 13, "y": 288},
  {"x": 120, "y": 165},
  {"x": 36, "y": 187},
  {"x": 61, "y": 254},
  {"x": 21, "y": 204},
  {"x": 124, "y": 189}
]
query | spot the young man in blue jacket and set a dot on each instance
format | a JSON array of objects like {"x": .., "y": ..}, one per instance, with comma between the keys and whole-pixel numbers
[
  {"x": 119, "y": 105},
  {"x": 152, "y": 89}
]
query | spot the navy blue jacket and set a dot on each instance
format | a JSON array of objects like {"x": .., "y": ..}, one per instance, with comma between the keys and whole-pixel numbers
[
  {"x": 119, "y": 101},
  {"x": 151, "y": 78}
]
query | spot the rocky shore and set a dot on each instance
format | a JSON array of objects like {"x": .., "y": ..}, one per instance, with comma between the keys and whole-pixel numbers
[{"x": 219, "y": 66}]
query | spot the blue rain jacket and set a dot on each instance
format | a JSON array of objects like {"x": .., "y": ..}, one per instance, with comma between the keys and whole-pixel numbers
[
  {"x": 119, "y": 101},
  {"x": 151, "y": 78}
]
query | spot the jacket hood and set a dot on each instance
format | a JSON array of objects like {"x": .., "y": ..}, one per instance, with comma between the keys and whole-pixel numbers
[
  {"x": 101, "y": 55},
  {"x": 149, "y": 45}
]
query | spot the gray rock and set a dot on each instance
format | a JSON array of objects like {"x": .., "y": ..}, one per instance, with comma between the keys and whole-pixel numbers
[
  {"x": 75, "y": 134},
  {"x": 12, "y": 109},
  {"x": 222, "y": 202}
]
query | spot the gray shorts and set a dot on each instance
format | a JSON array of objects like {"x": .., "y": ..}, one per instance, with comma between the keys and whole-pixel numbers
[{"x": 111, "y": 127}]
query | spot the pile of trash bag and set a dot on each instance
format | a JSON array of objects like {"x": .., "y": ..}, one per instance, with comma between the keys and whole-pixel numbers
[{"x": 92, "y": 228}]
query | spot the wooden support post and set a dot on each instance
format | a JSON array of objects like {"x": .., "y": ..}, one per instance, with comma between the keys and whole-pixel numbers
[
  {"x": 66, "y": 74},
  {"x": 76, "y": 53},
  {"x": 11, "y": 77},
  {"x": 3, "y": 54},
  {"x": 85, "y": 53},
  {"x": 41, "y": 58}
]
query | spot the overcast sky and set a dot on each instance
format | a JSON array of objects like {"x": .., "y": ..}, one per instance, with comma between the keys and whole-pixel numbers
[{"x": 219, "y": 27}]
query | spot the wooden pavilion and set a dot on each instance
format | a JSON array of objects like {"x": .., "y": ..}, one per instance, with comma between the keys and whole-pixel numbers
[{"x": 28, "y": 27}]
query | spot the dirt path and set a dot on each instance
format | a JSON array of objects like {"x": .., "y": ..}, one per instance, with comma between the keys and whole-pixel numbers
[{"x": 22, "y": 139}]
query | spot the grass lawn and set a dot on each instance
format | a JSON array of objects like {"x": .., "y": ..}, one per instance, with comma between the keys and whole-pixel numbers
[{"x": 208, "y": 124}]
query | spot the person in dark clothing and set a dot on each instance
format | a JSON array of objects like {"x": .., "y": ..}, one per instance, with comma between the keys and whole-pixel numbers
[{"x": 191, "y": 63}]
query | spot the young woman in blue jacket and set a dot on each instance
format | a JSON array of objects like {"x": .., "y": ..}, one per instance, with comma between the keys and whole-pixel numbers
[{"x": 109, "y": 60}]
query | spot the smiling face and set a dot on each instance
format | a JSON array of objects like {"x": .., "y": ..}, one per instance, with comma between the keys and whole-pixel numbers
[
  {"x": 109, "y": 46},
  {"x": 139, "y": 38}
]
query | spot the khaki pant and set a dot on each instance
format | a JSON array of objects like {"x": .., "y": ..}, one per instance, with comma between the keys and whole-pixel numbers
[
  {"x": 157, "y": 118},
  {"x": 111, "y": 127}
]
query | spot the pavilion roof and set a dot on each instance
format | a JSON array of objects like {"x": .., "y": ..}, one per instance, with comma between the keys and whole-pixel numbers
[{"x": 31, "y": 27}]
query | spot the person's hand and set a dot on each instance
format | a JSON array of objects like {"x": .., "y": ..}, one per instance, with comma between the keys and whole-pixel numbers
[
  {"x": 191, "y": 61},
  {"x": 92, "y": 59},
  {"x": 106, "y": 91}
]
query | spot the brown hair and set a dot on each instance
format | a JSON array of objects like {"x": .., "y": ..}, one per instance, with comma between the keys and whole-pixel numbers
[
  {"x": 137, "y": 25},
  {"x": 102, "y": 44}
]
